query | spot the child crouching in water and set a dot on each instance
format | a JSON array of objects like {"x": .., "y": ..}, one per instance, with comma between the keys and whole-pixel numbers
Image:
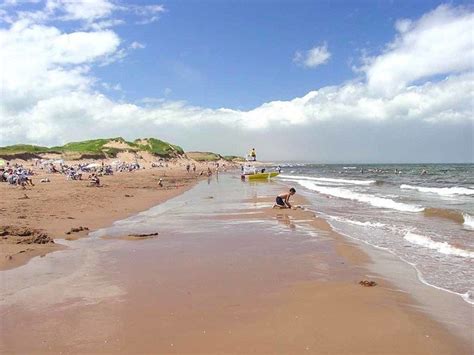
[{"x": 283, "y": 200}]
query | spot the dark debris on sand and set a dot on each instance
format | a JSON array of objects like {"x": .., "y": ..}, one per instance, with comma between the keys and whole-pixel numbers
[{"x": 24, "y": 235}]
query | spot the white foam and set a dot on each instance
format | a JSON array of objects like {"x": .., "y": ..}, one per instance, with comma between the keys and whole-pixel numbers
[
  {"x": 359, "y": 223},
  {"x": 441, "y": 247},
  {"x": 329, "y": 180},
  {"x": 375, "y": 201},
  {"x": 468, "y": 220},
  {"x": 443, "y": 191}
]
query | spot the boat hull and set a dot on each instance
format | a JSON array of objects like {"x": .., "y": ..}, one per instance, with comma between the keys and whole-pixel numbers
[{"x": 262, "y": 176}]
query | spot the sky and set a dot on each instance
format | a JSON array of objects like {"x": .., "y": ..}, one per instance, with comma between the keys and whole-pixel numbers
[{"x": 322, "y": 81}]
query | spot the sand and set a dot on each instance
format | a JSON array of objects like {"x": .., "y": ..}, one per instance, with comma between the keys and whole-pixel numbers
[
  {"x": 59, "y": 207},
  {"x": 261, "y": 286}
]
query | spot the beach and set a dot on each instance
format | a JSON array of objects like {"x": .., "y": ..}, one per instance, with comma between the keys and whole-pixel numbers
[
  {"x": 65, "y": 209},
  {"x": 226, "y": 274}
]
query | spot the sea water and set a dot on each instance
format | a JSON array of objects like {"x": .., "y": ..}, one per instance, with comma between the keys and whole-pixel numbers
[{"x": 424, "y": 214}]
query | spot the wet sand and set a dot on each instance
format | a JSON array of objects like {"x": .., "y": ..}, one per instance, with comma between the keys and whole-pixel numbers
[
  {"x": 226, "y": 274},
  {"x": 60, "y": 206}
]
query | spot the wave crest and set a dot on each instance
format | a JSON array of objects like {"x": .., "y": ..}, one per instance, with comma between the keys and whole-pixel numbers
[
  {"x": 329, "y": 180},
  {"x": 468, "y": 220},
  {"x": 443, "y": 191},
  {"x": 375, "y": 201},
  {"x": 441, "y": 247},
  {"x": 452, "y": 215}
]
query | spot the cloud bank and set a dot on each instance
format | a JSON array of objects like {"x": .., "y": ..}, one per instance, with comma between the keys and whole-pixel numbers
[{"x": 423, "y": 78}]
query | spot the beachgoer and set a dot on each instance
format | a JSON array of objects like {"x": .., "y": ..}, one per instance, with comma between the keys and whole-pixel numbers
[
  {"x": 194, "y": 168},
  {"x": 188, "y": 168},
  {"x": 253, "y": 154},
  {"x": 283, "y": 200}
]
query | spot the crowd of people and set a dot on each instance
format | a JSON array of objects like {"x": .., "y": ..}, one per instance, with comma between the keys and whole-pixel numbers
[{"x": 18, "y": 175}]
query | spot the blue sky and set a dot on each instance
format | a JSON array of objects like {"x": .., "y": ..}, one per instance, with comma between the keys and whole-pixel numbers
[
  {"x": 238, "y": 54},
  {"x": 327, "y": 81}
]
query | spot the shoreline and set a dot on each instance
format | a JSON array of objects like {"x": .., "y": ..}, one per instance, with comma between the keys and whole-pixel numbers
[
  {"x": 320, "y": 288},
  {"x": 446, "y": 307},
  {"x": 418, "y": 297}
]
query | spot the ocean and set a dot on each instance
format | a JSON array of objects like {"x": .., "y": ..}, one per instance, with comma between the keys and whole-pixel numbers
[{"x": 423, "y": 213}]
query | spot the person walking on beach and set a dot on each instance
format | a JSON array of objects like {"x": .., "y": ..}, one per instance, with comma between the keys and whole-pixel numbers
[{"x": 283, "y": 200}]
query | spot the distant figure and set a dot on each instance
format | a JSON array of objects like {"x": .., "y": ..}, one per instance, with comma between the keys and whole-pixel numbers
[
  {"x": 253, "y": 154},
  {"x": 209, "y": 171},
  {"x": 188, "y": 168},
  {"x": 361, "y": 171},
  {"x": 194, "y": 168},
  {"x": 283, "y": 200},
  {"x": 242, "y": 169},
  {"x": 263, "y": 170},
  {"x": 94, "y": 180},
  {"x": 160, "y": 182},
  {"x": 279, "y": 169},
  {"x": 423, "y": 172}
]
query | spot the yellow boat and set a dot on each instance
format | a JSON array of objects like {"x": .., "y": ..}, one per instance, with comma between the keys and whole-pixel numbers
[{"x": 260, "y": 176}]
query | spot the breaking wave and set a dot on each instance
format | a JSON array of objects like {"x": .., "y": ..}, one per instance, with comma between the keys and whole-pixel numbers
[
  {"x": 468, "y": 220},
  {"x": 329, "y": 180},
  {"x": 355, "y": 196},
  {"x": 441, "y": 247},
  {"x": 359, "y": 223},
  {"x": 452, "y": 215},
  {"x": 443, "y": 191}
]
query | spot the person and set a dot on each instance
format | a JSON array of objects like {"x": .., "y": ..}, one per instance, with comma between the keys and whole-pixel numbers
[
  {"x": 194, "y": 168},
  {"x": 283, "y": 200},
  {"x": 253, "y": 154},
  {"x": 188, "y": 167}
]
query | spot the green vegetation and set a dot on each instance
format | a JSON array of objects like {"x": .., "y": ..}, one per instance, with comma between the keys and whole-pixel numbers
[
  {"x": 23, "y": 148},
  {"x": 158, "y": 147},
  {"x": 204, "y": 156},
  {"x": 234, "y": 158},
  {"x": 90, "y": 146},
  {"x": 108, "y": 147}
]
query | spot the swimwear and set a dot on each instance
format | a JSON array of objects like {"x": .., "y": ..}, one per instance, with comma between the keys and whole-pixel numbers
[{"x": 279, "y": 201}]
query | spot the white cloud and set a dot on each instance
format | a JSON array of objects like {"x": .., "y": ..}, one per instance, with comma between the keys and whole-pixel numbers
[
  {"x": 137, "y": 45},
  {"x": 54, "y": 98},
  {"x": 86, "y": 10},
  {"x": 313, "y": 57},
  {"x": 94, "y": 14},
  {"x": 440, "y": 42},
  {"x": 148, "y": 13}
]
